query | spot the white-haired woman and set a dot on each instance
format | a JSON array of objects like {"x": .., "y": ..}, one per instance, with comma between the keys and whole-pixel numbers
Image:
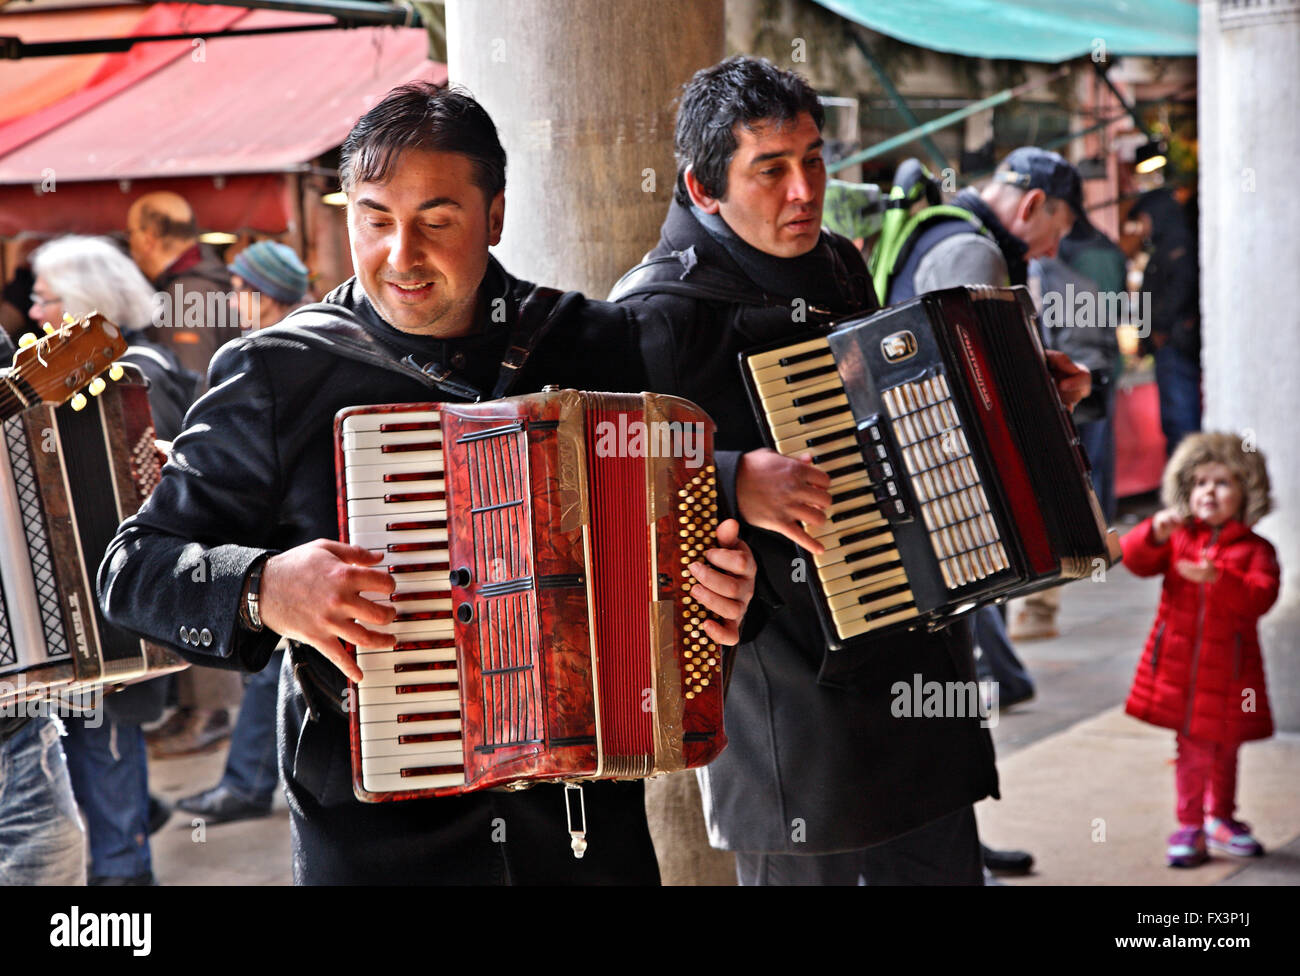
[
  {"x": 107, "y": 759},
  {"x": 76, "y": 275}
]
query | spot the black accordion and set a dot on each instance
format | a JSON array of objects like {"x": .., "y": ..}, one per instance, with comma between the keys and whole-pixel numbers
[
  {"x": 957, "y": 478},
  {"x": 67, "y": 479}
]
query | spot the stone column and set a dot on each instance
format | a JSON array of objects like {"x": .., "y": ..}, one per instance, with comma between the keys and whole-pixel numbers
[
  {"x": 583, "y": 95},
  {"x": 1250, "y": 249}
]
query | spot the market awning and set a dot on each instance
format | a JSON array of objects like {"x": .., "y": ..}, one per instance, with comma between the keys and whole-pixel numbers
[
  {"x": 223, "y": 115},
  {"x": 1031, "y": 30}
]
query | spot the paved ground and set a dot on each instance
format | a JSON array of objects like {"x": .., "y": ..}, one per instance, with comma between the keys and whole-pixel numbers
[{"x": 1085, "y": 788}]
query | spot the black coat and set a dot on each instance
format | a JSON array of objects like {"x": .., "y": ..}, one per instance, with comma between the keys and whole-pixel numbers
[
  {"x": 816, "y": 761},
  {"x": 253, "y": 472}
]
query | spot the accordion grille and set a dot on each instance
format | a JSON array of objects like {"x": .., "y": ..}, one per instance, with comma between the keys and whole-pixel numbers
[
  {"x": 512, "y": 695},
  {"x": 947, "y": 485},
  {"x": 28, "y": 492},
  {"x": 620, "y": 574}
]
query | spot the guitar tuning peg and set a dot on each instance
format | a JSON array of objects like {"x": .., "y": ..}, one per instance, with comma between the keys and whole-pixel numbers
[
  {"x": 26, "y": 339},
  {"x": 96, "y": 386},
  {"x": 79, "y": 402},
  {"x": 49, "y": 329},
  {"x": 116, "y": 372}
]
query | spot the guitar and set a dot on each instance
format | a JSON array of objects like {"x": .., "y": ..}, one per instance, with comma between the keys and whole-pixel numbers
[{"x": 54, "y": 368}]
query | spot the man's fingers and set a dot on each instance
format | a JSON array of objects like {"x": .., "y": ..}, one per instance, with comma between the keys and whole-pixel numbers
[
  {"x": 735, "y": 561},
  {"x": 728, "y": 635},
  {"x": 812, "y": 474},
  {"x": 721, "y": 583},
  {"x": 337, "y": 655},
  {"x": 351, "y": 554},
  {"x": 796, "y": 534},
  {"x": 728, "y": 533},
  {"x": 721, "y": 605}
]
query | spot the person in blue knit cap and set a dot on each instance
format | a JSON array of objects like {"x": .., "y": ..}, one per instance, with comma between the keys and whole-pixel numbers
[{"x": 268, "y": 281}]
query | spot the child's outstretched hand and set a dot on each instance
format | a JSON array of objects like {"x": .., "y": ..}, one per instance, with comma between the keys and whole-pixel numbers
[
  {"x": 1202, "y": 572},
  {"x": 1163, "y": 524}
]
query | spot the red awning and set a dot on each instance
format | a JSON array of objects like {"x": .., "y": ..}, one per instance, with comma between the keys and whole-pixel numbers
[{"x": 234, "y": 107}]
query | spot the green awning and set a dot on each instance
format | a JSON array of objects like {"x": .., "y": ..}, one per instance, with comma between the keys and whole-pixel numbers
[{"x": 1031, "y": 30}]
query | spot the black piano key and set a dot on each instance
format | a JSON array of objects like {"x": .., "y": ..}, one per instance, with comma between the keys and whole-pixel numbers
[
  {"x": 834, "y": 435},
  {"x": 406, "y": 448},
  {"x": 877, "y": 571},
  {"x": 861, "y": 554},
  {"x": 850, "y": 451},
  {"x": 881, "y": 594},
  {"x": 844, "y": 496},
  {"x": 804, "y": 357},
  {"x": 809, "y": 374},
  {"x": 859, "y": 536},
  {"x": 803, "y": 401}
]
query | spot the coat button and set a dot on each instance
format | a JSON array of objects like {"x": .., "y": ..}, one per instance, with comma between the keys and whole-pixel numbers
[
  {"x": 194, "y": 635},
  {"x": 458, "y": 360},
  {"x": 205, "y": 637},
  {"x": 185, "y": 636}
]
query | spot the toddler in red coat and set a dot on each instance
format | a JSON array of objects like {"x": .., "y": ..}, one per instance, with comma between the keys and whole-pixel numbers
[{"x": 1202, "y": 673}]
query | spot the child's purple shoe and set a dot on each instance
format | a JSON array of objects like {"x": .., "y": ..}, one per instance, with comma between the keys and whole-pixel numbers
[
  {"x": 1232, "y": 837},
  {"x": 1187, "y": 848}
]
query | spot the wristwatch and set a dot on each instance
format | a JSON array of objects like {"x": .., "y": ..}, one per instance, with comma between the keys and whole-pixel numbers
[{"x": 249, "y": 611}]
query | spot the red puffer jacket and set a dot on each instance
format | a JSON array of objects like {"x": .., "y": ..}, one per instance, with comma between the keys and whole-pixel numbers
[{"x": 1201, "y": 673}]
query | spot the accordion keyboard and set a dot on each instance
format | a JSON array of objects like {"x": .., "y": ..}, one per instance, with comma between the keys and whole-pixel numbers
[
  {"x": 409, "y": 697},
  {"x": 861, "y": 573}
]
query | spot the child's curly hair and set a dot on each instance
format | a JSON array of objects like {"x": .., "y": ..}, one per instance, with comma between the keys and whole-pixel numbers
[{"x": 1246, "y": 466}]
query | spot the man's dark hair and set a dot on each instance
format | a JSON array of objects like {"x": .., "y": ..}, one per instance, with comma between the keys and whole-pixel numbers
[
  {"x": 739, "y": 89},
  {"x": 422, "y": 115},
  {"x": 167, "y": 228}
]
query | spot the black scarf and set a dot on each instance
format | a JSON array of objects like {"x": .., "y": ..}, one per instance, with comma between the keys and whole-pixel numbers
[{"x": 820, "y": 277}]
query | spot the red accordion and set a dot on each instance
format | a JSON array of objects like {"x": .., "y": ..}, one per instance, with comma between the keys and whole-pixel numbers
[{"x": 545, "y": 629}]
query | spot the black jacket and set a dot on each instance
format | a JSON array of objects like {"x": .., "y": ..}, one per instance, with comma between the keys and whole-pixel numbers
[
  {"x": 816, "y": 761},
  {"x": 253, "y": 472}
]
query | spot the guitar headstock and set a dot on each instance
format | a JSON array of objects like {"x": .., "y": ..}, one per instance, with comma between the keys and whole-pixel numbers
[{"x": 68, "y": 357}]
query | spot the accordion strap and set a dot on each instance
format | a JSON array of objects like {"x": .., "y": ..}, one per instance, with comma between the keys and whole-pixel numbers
[{"x": 537, "y": 313}]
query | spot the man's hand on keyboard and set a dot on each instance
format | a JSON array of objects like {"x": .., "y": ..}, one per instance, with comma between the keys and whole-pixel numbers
[
  {"x": 726, "y": 585},
  {"x": 313, "y": 593},
  {"x": 777, "y": 493}
]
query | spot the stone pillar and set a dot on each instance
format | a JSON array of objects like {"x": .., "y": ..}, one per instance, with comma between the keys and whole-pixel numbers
[
  {"x": 1250, "y": 249},
  {"x": 583, "y": 94}
]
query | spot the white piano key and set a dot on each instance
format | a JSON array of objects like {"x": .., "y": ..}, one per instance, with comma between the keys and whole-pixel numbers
[
  {"x": 357, "y": 441},
  {"x": 396, "y": 783},
  {"x": 378, "y": 488},
  {"x": 374, "y": 731},
  {"x": 446, "y": 700},
  {"x": 765, "y": 360},
  {"x": 377, "y": 506},
  {"x": 381, "y": 660},
  {"x": 403, "y": 753},
  {"x": 416, "y": 629},
  {"x": 373, "y": 421},
  {"x": 378, "y": 694},
  {"x": 428, "y": 754},
  {"x": 396, "y": 464}
]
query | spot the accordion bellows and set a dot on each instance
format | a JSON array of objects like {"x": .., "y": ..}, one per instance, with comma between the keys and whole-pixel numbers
[
  {"x": 67, "y": 479},
  {"x": 545, "y": 629}
]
